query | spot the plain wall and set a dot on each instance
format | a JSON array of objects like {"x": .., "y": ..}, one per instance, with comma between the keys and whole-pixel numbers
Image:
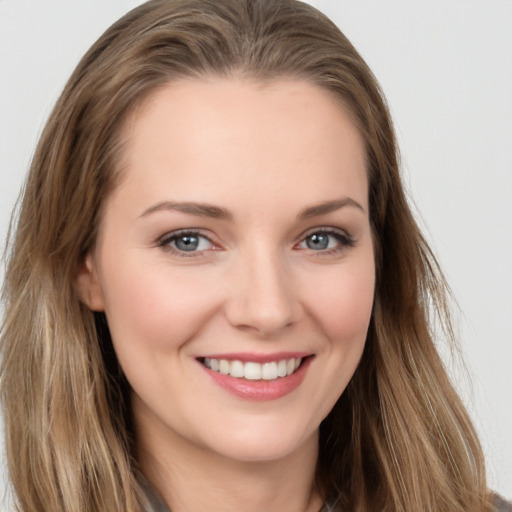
[{"x": 446, "y": 68}]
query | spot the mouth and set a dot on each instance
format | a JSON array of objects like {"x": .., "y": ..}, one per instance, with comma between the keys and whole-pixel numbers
[
  {"x": 253, "y": 370},
  {"x": 256, "y": 376}
]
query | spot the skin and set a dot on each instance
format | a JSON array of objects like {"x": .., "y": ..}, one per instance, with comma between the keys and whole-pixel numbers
[{"x": 263, "y": 153}]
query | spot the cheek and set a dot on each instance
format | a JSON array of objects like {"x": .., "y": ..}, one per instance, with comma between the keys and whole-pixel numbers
[
  {"x": 342, "y": 303},
  {"x": 151, "y": 306}
]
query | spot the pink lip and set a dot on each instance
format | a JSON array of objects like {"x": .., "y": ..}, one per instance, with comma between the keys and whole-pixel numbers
[{"x": 259, "y": 390}]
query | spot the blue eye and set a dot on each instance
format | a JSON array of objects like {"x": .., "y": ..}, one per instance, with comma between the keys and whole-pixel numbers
[
  {"x": 318, "y": 241},
  {"x": 186, "y": 242},
  {"x": 325, "y": 240}
]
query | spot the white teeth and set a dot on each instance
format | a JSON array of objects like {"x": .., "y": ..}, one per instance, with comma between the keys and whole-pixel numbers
[
  {"x": 224, "y": 367},
  {"x": 269, "y": 371},
  {"x": 236, "y": 369},
  {"x": 281, "y": 368},
  {"x": 252, "y": 370}
]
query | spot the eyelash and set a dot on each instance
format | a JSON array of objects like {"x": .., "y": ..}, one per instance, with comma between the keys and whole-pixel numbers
[
  {"x": 343, "y": 239},
  {"x": 166, "y": 241}
]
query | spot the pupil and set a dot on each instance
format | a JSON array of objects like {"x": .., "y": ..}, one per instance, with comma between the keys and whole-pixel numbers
[
  {"x": 318, "y": 241},
  {"x": 187, "y": 243}
]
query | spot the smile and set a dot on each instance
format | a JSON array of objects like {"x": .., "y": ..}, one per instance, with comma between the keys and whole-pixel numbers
[
  {"x": 259, "y": 377},
  {"x": 252, "y": 370}
]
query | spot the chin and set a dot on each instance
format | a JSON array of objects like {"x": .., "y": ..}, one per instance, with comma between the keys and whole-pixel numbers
[{"x": 262, "y": 445}]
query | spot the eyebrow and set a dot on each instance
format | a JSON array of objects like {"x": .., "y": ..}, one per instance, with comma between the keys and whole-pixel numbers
[
  {"x": 197, "y": 209},
  {"x": 328, "y": 207},
  {"x": 216, "y": 212}
]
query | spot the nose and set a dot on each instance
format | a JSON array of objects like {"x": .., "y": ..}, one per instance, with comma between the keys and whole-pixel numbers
[{"x": 262, "y": 294}]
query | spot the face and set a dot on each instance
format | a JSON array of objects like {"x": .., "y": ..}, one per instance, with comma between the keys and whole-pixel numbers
[{"x": 235, "y": 264}]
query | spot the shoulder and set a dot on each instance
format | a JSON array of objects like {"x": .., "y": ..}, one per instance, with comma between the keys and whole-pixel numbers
[
  {"x": 500, "y": 505},
  {"x": 153, "y": 502}
]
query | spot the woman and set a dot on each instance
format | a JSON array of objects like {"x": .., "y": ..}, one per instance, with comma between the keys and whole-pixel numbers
[{"x": 216, "y": 283}]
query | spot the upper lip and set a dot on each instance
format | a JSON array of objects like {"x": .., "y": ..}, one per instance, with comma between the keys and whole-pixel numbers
[{"x": 246, "y": 357}]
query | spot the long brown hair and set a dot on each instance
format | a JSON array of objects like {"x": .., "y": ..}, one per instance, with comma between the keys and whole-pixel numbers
[{"x": 399, "y": 438}]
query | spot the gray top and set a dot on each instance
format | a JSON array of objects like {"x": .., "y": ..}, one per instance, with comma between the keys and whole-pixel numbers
[
  {"x": 500, "y": 505},
  {"x": 156, "y": 504}
]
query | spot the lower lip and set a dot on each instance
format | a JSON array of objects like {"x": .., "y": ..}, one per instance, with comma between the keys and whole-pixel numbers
[{"x": 260, "y": 390}]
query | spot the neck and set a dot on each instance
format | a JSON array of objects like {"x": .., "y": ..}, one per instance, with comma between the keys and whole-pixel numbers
[{"x": 192, "y": 479}]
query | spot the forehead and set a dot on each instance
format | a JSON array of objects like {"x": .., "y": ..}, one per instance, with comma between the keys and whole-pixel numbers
[{"x": 214, "y": 138}]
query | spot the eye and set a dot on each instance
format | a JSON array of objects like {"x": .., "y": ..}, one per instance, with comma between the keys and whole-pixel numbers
[
  {"x": 326, "y": 240},
  {"x": 186, "y": 242}
]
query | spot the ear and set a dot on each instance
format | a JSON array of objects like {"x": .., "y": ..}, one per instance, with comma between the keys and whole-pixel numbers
[{"x": 87, "y": 285}]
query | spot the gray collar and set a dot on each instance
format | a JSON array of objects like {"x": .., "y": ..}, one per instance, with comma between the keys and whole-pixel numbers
[{"x": 154, "y": 503}]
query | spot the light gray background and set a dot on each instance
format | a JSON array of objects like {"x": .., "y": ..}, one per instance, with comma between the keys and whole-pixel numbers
[{"x": 446, "y": 68}]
